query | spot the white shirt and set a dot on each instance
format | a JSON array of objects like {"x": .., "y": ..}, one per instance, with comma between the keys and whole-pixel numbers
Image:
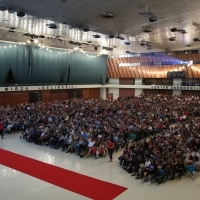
[{"x": 91, "y": 143}]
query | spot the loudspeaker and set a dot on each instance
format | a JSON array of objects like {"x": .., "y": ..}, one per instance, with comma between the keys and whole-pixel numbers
[{"x": 20, "y": 14}]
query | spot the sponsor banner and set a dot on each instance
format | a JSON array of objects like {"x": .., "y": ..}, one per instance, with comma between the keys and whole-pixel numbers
[
  {"x": 64, "y": 87},
  {"x": 163, "y": 87},
  {"x": 29, "y": 88}
]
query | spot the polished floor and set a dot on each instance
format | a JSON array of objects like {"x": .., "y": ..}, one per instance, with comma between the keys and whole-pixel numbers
[{"x": 15, "y": 185}]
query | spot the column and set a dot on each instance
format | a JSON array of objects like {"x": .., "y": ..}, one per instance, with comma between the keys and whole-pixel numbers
[
  {"x": 138, "y": 91},
  {"x": 177, "y": 82},
  {"x": 103, "y": 93}
]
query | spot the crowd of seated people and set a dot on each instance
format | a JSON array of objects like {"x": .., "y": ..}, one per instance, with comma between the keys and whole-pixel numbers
[
  {"x": 174, "y": 151},
  {"x": 84, "y": 127}
]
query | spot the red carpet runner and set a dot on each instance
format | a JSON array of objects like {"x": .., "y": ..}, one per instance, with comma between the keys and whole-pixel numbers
[{"x": 78, "y": 183}]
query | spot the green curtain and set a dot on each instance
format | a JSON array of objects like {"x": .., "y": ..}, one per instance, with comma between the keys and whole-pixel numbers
[{"x": 31, "y": 65}]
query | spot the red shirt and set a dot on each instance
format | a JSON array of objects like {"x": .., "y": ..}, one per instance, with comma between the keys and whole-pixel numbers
[
  {"x": 1, "y": 126},
  {"x": 111, "y": 145}
]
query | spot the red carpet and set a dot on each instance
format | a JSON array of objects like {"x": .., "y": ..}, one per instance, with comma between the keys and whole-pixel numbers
[{"x": 69, "y": 180}]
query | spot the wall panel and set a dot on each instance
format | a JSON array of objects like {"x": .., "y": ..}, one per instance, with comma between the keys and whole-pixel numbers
[
  {"x": 86, "y": 93},
  {"x": 58, "y": 95},
  {"x": 13, "y": 98},
  {"x": 1, "y": 99},
  {"x": 126, "y": 81},
  {"x": 188, "y": 92},
  {"x": 94, "y": 93},
  {"x": 125, "y": 92},
  {"x": 45, "y": 95}
]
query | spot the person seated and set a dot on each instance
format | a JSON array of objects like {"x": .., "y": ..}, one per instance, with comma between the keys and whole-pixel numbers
[
  {"x": 83, "y": 147},
  {"x": 144, "y": 168},
  {"x": 67, "y": 142},
  {"x": 178, "y": 168},
  {"x": 72, "y": 145},
  {"x": 101, "y": 150},
  {"x": 150, "y": 170},
  {"x": 90, "y": 145},
  {"x": 54, "y": 141},
  {"x": 194, "y": 166},
  {"x": 124, "y": 156}
]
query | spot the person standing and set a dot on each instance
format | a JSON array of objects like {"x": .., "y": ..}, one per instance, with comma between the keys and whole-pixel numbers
[
  {"x": 110, "y": 147},
  {"x": 1, "y": 130}
]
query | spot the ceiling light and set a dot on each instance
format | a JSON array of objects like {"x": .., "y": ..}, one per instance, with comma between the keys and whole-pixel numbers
[
  {"x": 107, "y": 15},
  {"x": 196, "y": 39},
  {"x": 3, "y": 8},
  {"x": 172, "y": 39},
  {"x": 86, "y": 29},
  {"x": 36, "y": 41},
  {"x": 11, "y": 10},
  {"x": 173, "y": 29},
  {"x": 52, "y": 26},
  {"x": 127, "y": 43},
  {"x": 153, "y": 19},
  {"x": 20, "y": 14},
  {"x": 96, "y": 36}
]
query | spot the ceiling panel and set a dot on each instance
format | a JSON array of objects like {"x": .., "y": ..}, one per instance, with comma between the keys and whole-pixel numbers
[{"x": 127, "y": 21}]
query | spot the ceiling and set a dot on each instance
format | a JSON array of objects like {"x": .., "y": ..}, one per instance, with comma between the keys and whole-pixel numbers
[{"x": 72, "y": 16}]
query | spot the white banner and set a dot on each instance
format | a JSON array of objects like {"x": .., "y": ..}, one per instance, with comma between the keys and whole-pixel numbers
[{"x": 64, "y": 87}]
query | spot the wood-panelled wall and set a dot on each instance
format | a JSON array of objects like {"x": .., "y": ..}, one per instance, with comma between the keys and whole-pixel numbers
[
  {"x": 13, "y": 98},
  {"x": 126, "y": 81},
  {"x": 45, "y": 95},
  {"x": 159, "y": 71},
  {"x": 2, "y": 102},
  {"x": 60, "y": 95},
  {"x": 149, "y": 91},
  {"x": 94, "y": 93},
  {"x": 125, "y": 92},
  {"x": 189, "y": 92}
]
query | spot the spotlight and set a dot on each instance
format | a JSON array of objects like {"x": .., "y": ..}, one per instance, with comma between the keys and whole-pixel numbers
[
  {"x": 20, "y": 14},
  {"x": 153, "y": 19},
  {"x": 86, "y": 29},
  {"x": 173, "y": 29},
  {"x": 3, "y": 8},
  {"x": 11, "y": 10}
]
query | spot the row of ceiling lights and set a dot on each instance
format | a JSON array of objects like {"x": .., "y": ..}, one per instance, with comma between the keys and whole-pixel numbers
[{"x": 49, "y": 49}]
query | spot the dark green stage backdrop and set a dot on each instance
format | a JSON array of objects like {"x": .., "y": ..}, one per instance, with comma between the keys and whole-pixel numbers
[{"x": 31, "y": 65}]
